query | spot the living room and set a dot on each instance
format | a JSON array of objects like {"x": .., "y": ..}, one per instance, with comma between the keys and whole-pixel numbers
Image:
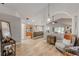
[{"x": 41, "y": 29}]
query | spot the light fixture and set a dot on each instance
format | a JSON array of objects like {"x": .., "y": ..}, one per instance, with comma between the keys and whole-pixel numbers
[
  {"x": 3, "y": 4},
  {"x": 53, "y": 20},
  {"x": 48, "y": 19},
  {"x": 48, "y": 14},
  {"x": 27, "y": 18},
  {"x": 29, "y": 21},
  {"x": 53, "y": 23}
]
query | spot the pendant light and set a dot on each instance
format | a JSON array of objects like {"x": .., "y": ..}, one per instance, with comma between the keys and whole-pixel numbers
[
  {"x": 48, "y": 14},
  {"x": 53, "y": 22}
]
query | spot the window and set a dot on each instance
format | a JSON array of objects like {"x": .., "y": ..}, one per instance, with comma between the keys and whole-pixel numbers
[{"x": 59, "y": 29}]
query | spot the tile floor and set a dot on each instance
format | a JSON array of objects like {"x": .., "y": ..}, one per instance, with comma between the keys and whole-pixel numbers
[{"x": 37, "y": 47}]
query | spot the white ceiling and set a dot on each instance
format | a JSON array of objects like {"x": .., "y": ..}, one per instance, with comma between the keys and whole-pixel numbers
[
  {"x": 33, "y": 9},
  {"x": 66, "y": 21},
  {"x": 62, "y": 22},
  {"x": 26, "y": 9}
]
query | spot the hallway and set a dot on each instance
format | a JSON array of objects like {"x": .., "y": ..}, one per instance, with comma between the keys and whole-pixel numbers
[{"x": 37, "y": 47}]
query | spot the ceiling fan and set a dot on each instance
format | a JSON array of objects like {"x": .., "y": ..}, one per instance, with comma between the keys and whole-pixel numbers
[
  {"x": 53, "y": 20},
  {"x": 49, "y": 19}
]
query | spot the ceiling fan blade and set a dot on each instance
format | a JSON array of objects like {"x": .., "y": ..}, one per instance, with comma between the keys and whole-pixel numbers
[{"x": 55, "y": 21}]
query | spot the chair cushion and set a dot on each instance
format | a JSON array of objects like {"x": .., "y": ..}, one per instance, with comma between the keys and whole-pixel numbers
[{"x": 66, "y": 42}]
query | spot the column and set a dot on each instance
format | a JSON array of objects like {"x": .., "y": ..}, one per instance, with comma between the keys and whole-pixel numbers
[{"x": 75, "y": 25}]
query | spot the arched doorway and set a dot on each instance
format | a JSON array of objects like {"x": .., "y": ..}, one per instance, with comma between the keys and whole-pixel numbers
[{"x": 63, "y": 22}]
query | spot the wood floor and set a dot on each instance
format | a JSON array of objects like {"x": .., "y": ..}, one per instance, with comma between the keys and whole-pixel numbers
[{"x": 38, "y": 47}]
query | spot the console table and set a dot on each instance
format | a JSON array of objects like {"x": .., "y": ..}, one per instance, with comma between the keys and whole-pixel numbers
[{"x": 51, "y": 39}]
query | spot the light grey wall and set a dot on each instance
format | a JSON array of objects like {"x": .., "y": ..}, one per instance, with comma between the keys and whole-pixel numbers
[
  {"x": 4, "y": 9},
  {"x": 15, "y": 24}
]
